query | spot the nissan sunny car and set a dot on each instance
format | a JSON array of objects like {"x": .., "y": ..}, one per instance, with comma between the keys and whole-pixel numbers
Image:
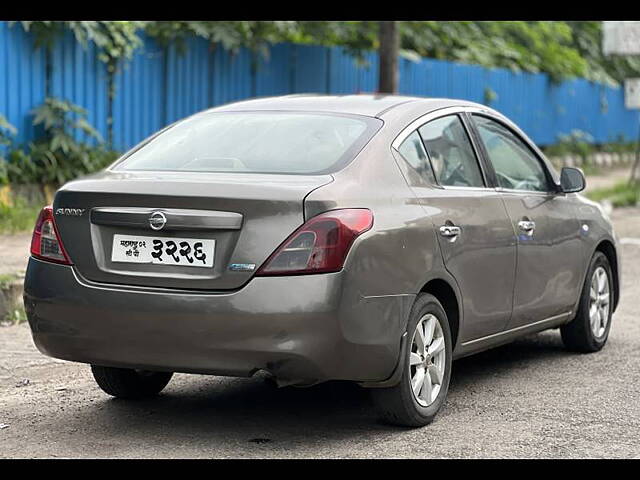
[{"x": 366, "y": 238}]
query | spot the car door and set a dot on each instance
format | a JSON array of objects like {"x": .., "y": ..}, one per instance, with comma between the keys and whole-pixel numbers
[
  {"x": 473, "y": 229},
  {"x": 543, "y": 219}
]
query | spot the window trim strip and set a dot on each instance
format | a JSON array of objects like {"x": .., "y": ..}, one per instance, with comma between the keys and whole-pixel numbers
[{"x": 492, "y": 114}]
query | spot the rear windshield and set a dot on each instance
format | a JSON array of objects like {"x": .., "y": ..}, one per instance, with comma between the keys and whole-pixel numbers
[{"x": 255, "y": 142}]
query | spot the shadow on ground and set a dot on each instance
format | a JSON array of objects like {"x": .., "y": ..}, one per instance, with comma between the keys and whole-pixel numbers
[
  {"x": 251, "y": 410},
  {"x": 524, "y": 353}
]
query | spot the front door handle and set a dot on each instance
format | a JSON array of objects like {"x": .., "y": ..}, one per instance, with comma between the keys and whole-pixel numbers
[
  {"x": 527, "y": 225},
  {"x": 450, "y": 231}
]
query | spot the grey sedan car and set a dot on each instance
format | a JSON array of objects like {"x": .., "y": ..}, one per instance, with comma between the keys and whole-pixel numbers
[{"x": 308, "y": 238}]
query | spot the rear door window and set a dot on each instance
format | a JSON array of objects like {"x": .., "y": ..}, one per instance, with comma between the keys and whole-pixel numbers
[
  {"x": 412, "y": 150},
  {"x": 451, "y": 154}
]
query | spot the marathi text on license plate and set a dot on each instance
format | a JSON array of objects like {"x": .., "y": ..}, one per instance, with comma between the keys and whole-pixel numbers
[{"x": 188, "y": 252}]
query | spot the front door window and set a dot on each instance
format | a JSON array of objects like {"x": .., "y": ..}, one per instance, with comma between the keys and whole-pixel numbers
[{"x": 516, "y": 166}]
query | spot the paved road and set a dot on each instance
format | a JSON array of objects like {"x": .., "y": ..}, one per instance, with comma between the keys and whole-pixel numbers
[{"x": 527, "y": 399}]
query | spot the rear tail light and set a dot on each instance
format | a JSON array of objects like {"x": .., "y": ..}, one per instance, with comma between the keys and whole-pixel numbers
[
  {"x": 45, "y": 242},
  {"x": 320, "y": 245}
]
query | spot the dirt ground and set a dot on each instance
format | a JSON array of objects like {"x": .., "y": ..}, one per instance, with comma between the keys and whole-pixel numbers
[{"x": 14, "y": 252}]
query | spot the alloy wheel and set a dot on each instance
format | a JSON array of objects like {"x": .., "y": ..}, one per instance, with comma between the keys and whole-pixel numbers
[
  {"x": 599, "y": 302},
  {"x": 427, "y": 360}
]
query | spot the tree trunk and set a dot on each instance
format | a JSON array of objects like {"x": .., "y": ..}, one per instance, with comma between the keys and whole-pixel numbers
[
  {"x": 112, "y": 67},
  {"x": 48, "y": 71},
  {"x": 110, "y": 97},
  {"x": 388, "y": 53},
  {"x": 635, "y": 169}
]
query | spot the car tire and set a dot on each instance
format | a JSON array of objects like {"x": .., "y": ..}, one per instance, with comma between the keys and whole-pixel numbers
[
  {"x": 581, "y": 334},
  {"x": 129, "y": 383},
  {"x": 399, "y": 405}
]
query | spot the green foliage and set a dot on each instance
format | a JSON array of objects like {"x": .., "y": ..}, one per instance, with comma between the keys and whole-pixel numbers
[
  {"x": 490, "y": 95},
  {"x": 560, "y": 49},
  {"x": 18, "y": 217},
  {"x": 620, "y": 145},
  {"x": 580, "y": 143},
  {"x": 7, "y": 131},
  {"x": 355, "y": 36},
  {"x": 40, "y": 164},
  {"x": 56, "y": 157},
  {"x": 15, "y": 316},
  {"x": 577, "y": 142},
  {"x": 45, "y": 33},
  {"x": 623, "y": 194},
  {"x": 116, "y": 40},
  {"x": 60, "y": 118},
  {"x": 516, "y": 45},
  {"x": 613, "y": 69},
  {"x": 231, "y": 35},
  {"x": 6, "y": 279}
]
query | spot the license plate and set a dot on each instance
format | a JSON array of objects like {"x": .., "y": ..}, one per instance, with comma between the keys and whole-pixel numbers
[{"x": 186, "y": 252}]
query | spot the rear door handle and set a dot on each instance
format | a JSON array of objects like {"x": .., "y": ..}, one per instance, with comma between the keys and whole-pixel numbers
[
  {"x": 450, "y": 231},
  {"x": 527, "y": 225}
]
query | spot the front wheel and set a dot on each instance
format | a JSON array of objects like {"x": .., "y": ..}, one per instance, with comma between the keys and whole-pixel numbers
[
  {"x": 421, "y": 392},
  {"x": 589, "y": 330},
  {"x": 129, "y": 383}
]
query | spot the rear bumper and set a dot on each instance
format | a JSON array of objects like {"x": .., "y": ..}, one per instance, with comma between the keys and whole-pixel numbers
[{"x": 301, "y": 329}]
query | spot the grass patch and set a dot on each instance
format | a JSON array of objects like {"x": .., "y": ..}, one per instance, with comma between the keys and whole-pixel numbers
[
  {"x": 622, "y": 194},
  {"x": 19, "y": 217},
  {"x": 14, "y": 317},
  {"x": 9, "y": 296},
  {"x": 7, "y": 279},
  {"x": 591, "y": 169}
]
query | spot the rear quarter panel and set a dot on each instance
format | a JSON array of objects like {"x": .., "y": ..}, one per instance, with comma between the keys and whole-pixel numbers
[{"x": 388, "y": 265}]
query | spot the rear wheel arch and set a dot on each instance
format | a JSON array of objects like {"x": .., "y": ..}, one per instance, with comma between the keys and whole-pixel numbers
[
  {"x": 447, "y": 296},
  {"x": 609, "y": 250}
]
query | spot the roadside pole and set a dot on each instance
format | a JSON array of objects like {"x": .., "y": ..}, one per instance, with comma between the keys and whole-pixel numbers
[
  {"x": 623, "y": 38},
  {"x": 636, "y": 164}
]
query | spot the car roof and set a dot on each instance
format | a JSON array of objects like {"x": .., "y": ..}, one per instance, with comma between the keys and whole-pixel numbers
[{"x": 372, "y": 105}]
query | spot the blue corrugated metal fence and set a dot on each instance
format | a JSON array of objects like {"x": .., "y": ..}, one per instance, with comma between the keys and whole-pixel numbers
[{"x": 159, "y": 86}]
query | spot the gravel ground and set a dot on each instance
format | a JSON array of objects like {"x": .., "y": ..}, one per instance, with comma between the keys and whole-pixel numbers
[{"x": 527, "y": 399}]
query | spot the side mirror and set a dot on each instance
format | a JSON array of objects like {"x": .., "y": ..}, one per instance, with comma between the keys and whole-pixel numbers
[{"x": 572, "y": 180}]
